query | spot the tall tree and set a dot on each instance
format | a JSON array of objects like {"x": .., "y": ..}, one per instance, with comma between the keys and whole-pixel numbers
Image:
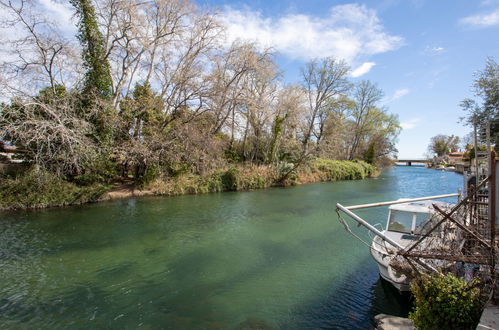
[
  {"x": 486, "y": 86},
  {"x": 34, "y": 54},
  {"x": 441, "y": 145},
  {"x": 366, "y": 97},
  {"x": 323, "y": 81},
  {"x": 98, "y": 75}
]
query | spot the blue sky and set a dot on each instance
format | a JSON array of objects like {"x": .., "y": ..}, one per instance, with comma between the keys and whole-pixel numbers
[{"x": 423, "y": 54}]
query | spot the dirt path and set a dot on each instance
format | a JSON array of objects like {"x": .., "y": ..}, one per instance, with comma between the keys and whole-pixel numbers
[{"x": 125, "y": 190}]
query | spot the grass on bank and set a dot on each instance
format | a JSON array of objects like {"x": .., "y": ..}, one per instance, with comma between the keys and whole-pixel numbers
[
  {"x": 231, "y": 179},
  {"x": 38, "y": 188},
  {"x": 250, "y": 177}
]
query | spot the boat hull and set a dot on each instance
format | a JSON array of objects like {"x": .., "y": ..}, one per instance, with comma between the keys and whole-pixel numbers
[
  {"x": 383, "y": 272},
  {"x": 383, "y": 260}
]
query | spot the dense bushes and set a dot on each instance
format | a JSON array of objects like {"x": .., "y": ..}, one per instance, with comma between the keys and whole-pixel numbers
[
  {"x": 38, "y": 188},
  {"x": 247, "y": 177},
  {"x": 445, "y": 302},
  {"x": 231, "y": 179},
  {"x": 332, "y": 170}
]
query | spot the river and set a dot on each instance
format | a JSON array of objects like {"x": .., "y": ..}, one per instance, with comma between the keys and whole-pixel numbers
[{"x": 275, "y": 258}]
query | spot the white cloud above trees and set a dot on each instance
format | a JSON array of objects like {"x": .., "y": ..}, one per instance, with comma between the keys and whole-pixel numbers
[
  {"x": 410, "y": 124},
  {"x": 348, "y": 32},
  {"x": 362, "y": 69}
]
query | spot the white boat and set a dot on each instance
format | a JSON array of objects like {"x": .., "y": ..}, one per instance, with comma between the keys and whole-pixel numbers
[
  {"x": 406, "y": 218},
  {"x": 403, "y": 226}
]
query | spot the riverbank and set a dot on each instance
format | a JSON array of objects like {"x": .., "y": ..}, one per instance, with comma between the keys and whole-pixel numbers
[{"x": 39, "y": 189}]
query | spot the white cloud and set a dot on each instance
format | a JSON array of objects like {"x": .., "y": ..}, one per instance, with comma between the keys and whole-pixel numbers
[
  {"x": 347, "y": 32},
  {"x": 398, "y": 94},
  {"x": 410, "y": 123},
  {"x": 482, "y": 20},
  {"x": 436, "y": 50},
  {"x": 362, "y": 69}
]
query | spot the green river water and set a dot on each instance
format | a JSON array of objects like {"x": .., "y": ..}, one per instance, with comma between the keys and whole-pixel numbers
[{"x": 275, "y": 258}]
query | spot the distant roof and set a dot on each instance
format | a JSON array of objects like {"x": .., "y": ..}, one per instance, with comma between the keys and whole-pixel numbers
[{"x": 420, "y": 207}]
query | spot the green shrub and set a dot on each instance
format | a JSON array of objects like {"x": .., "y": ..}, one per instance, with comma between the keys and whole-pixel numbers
[
  {"x": 214, "y": 183},
  {"x": 445, "y": 302},
  {"x": 101, "y": 170},
  {"x": 229, "y": 178},
  {"x": 38, "y": 188},
  {"x": 285, "y": 168},
  {"x": 333, "y": 170},
  {"x": 232, "y": 156},
  {"x": 151, "y": 173},
  {"x": 370, "y": 155}
]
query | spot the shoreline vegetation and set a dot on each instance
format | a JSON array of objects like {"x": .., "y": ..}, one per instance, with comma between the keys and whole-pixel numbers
[
  {"x": 149, "y": 98},
  {"x": 38, "y": 189}
]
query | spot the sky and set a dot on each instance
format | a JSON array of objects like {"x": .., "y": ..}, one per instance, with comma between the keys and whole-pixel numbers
[{"x": 422, "y": 53}]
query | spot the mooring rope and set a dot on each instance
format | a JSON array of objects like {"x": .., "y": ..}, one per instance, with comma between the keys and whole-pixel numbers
[{"x": 347, "y": 228}]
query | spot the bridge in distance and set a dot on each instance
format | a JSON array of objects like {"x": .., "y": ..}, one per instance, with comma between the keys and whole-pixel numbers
[{"x": 409, "y": 162}]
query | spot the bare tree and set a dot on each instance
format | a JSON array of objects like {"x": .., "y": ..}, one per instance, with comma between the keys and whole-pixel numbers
[
  {"x": 51, "y": 132},
  {"x": 323, "y": 80},
  {"x": 260, "y": 95},
  {"x": 226, "y": 94},
  {"x": 286, "y": 129},
  {"x": 37, "y": 55},
  {"x": 133, "y": 32},
  {"x": 183, "y": 72},
  {"x": 366, "y": 96},
  {"x": 332, "y": 132}
]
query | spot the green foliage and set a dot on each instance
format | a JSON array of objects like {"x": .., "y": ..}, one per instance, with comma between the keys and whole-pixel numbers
[
  {"x": 277, "y": 129},
  {"x": 370, "y": 156},
  {"x": 486, "y": 87},
  {"x": 101, "y": 171},
  {"x": 97, "y": 85},
  {"x": 288, "y": 170},
  {"x": 150, "y": 174},
  {"x": 98, "y": 75},
  {"x": 441, "y": 145},
  {"x": 342, "y": 170},
  {"x": 445, "y": 302},
  {"x": 230, "y": 178},
  {"x": 254, "y": 180},
  {"x": 177, "y": 169},
  {"x": 38, "y": 188},
  {"x": 47, "y": 95},
  {"x": 143, "y": 113},
  {"x": 232, "y": 155}
]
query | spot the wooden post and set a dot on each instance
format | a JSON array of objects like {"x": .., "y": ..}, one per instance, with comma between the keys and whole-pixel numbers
[{"x": 492, "y": 215}]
